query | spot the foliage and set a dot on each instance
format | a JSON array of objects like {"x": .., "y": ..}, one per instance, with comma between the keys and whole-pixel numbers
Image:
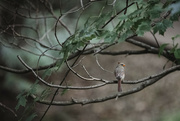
[
  {"x": 145, "y": 17},
  {"x": 109, "y": 26},
  {"x": 161, "y": 49},
  {"x": 22, "y": 98}
]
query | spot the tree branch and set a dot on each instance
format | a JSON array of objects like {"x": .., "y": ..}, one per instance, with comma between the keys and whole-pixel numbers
[
  {"x": 63, "y": 87},
  {"x": 145, "y": 83},
  {"x": 117, "y": 14},
  {"x": 159, "y": 75},
  {"x": 24, "y": 71},
  {"x": 165, "y": 53}
]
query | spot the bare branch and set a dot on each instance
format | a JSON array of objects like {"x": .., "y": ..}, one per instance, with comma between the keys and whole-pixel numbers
[
  {"x": 79, "y": 62},
  {"x": 78, "y": 9},
  {"x": 147, "y": 82},
  {"x": 158, "y": 75},
  {"x": 16, "y": 34},
  {"x": 126, "y": 7},
  {"x": 99, "y": 100},
  {"x": 127, "y": 52},
  {"x": 82, "y": 5},
  {"x": 42, "y": 55},
  {"x": 9, "y": 109},
  {"x": 59, "y": 86},
  {"x": 81, "y": 77},
  {"x": 56, "y": 31},
  {"x": 152, "y": 49},
  {"x": 87, "y": 71},
  {"x": 113, "y": 3},
  {"x": 101, "y": 66},
  {"x": 27, "y": 70}
]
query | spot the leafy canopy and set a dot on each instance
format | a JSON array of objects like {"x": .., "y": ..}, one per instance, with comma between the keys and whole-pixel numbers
[{"x": 145, "y": 16}]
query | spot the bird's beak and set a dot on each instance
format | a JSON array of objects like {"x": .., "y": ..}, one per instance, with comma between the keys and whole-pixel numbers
[{"x": 123, "y": 65}]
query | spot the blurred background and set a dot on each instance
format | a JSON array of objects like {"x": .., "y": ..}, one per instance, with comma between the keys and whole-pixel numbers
[{"x": 159, "y": 102}]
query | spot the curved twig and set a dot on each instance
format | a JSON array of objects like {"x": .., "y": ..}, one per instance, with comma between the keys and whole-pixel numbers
[
  {"x": 81, "y": 77},
  {"x": 97, "y": 61},
  {"x": 59, "y": 86},
  {"x": 9, "y": 109}
]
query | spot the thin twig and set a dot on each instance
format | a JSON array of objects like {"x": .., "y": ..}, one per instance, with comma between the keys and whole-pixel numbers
[
  {"x": 82, "y": 5},
  {"x": 101, "y": 66},
  {"x": 87, "y": 71},
  {"x": 79, "y": 62},
  {"x": 56, "y": 28},
  {"x": 81, "y": 77},
  {"x": 155, "y": 39},
  {"x": 113, "y": 3},
  {"x": 116, "y": 15},
  {"x": 126, "y": 7},
  {"x": 9, "y": 109},
  {"x": 42, "y": 55},
  {"x": 59, "y": 86}
]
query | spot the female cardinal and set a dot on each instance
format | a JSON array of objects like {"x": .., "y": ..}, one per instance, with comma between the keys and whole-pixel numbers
[{"x": 119, "y": 73}]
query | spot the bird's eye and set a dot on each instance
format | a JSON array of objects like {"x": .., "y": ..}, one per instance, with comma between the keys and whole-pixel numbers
[{"x": 123, "y": 65}]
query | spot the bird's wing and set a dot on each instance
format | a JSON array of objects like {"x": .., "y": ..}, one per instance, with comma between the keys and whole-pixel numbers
[{"x": 119, "y": 73}]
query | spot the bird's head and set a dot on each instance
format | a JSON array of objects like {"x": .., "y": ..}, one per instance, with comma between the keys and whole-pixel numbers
[{"x": 121, "y": 64}]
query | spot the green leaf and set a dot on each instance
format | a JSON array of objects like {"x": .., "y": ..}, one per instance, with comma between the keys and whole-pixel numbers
[
  {"x": 110, "y": 37},
  {"x": 123, "y": 17},
  {"x": 125, "y": 35},
  {"x": 174, "y": 48},
  {"x": 138, "y": 22},
  {"x": 120, "y": 26},
  {"x": 161, "y": 49},
  {"x": 101, "y": 33},
  {"x": 175, "y": 37},
  {"x": 162, "y": 26},
  {"x": 103, "y": 18},
  {"x": 175, "y": 17},
  {"x": 31, "y": 117},
  {"x": 167, "y": 3},
  {"x": 59, "y": 63},
  {"x": 144, "y": 27},
  {"x": 33, "y": 88},
  {"x": 21, "y": 102},
  {"x": 21, "y": 94},
  {"x": 177, "y": 53},
  {"x": 128, "y": 24},
  {"x": 153, "y": 2},
  {"x": 154, "y": 12},
  {"x": 136, "y": 14},
  {"x": 159, "y": 27},
  {"x": 167, "y": 23}
]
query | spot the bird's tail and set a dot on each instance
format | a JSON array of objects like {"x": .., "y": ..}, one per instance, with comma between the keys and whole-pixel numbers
[{"x": 119, "y": 85}]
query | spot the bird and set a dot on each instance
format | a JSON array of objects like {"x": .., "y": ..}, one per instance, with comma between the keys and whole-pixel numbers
[{"x": 119, "y": 73}]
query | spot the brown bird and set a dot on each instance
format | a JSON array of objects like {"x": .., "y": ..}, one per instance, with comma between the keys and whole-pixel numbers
[{"x": 119, "y": 73}]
